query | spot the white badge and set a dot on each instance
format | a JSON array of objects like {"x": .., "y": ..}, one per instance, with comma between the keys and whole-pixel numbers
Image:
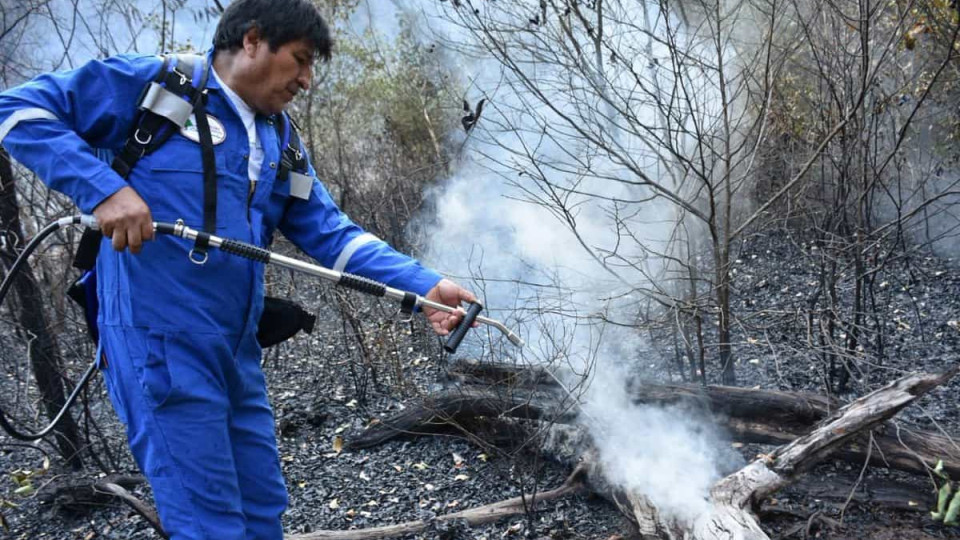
[
  {"x": 217, "y": 133},
  {"x": 300, "y": 185}
]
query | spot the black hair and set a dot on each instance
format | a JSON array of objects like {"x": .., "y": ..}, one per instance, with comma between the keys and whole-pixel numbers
[{"x": 279, "y": 22}]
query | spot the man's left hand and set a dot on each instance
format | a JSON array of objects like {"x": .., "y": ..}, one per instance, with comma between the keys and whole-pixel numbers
[{"x": 451, "y": 294}]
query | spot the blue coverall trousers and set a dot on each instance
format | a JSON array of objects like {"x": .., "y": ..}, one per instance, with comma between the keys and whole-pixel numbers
[{"x": 201, "y": 429}]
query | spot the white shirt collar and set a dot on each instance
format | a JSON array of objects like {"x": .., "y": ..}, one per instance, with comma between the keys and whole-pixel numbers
[{"x": 234, "y": 97}]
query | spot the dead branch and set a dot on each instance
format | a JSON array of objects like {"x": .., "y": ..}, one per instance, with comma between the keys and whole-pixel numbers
[
  {"x": 473, "y": 517},
  {"x": 141, "y": 508},
  {"x": 80, "y": 493},
  {"x": 735, "y": 496}
]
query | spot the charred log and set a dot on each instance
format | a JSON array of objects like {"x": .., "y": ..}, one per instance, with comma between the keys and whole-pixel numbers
[
  {"x": 454, "y": 409},
  {"x": 480, "y": 414},
  {"x": 792, "y": 409},
  {"x": 756, "y": 416},
  {"x": 873, "y": 492}
]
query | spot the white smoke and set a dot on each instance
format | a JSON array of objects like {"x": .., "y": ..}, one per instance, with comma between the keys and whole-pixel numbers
[
  {"x": 662, "y": 452},
  {"x": 549, "y": 271}
]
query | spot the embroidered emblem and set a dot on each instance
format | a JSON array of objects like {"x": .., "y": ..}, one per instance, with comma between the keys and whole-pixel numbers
[{"x": 217, "y": 133}]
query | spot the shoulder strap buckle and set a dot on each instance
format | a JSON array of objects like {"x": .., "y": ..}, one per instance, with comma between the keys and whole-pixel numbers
[
  {"x": 144, "y": 143},
  {"x": 292, "y": 159}
]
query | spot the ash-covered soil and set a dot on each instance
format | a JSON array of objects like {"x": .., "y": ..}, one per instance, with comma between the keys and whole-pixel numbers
[
  {"x": 322, "y": 391},
  {"x": 917, "y": 299}
]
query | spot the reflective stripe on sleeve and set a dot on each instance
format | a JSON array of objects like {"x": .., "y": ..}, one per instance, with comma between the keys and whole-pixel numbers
[
  {"x": 21, "y": 116},
  {"x": 352, "y": 248}
]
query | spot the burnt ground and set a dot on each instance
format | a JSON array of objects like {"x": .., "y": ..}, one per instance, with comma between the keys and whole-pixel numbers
[{"x": 320, "y": 391}]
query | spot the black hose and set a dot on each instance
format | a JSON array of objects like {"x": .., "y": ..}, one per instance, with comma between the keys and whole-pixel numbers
[
  {"x": 24, "y": 255},
  {"x": 4, "y": 289},
  {"x": 29, "y": 437}
]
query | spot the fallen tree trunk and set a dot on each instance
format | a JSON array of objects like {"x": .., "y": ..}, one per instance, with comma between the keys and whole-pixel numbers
[
  {"x": 790, "y": 408},
  {"x": 894, "y": 446},
  {"x": 734, "y": 496},
  {"x": 454, "y": 408},
  {"x": 750, "y": 416}
]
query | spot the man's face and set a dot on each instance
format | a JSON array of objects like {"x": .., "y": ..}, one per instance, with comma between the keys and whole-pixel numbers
[{"x": 278, "y": 76}]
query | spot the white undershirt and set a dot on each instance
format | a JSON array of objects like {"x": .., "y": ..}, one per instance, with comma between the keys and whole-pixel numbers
[{"x": 248, "y": 117}]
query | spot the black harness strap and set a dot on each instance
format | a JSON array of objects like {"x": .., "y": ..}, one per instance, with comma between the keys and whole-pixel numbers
[
  {"x": 209, "y": 178},
  {"x": 209, "y": 165},
  {"x": 292, "y": 157},
  {"x": 150, "y": 132},
  {"x": 145, "y": 128},
  {"x": 159, "y": 116},
  {"x": 409, "y": 303}
]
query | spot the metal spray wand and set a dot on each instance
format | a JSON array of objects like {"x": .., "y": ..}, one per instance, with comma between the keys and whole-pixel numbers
[{"x": 407, "y": 299}]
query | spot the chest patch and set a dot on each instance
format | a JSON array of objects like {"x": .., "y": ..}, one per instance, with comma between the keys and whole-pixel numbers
[{"x": 190, "y": 131}]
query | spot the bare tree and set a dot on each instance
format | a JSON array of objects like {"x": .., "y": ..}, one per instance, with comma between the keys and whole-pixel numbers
[
  {"x": 38, "y": 36},
  {"x": 42, "y": 347},
  {"x": 656, "y": 121}
]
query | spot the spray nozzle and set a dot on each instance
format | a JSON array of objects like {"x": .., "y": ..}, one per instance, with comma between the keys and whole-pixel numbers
[{"x": 456, "y": 336}]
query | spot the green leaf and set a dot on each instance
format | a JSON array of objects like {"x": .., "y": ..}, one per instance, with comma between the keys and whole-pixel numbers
[
  {"x": 938, "y": 470},
  {"x": 942, "y": 498},
  {"x": 20, "y": 476},
  {"x": 25, "y": 490},
  {"x": 951, "y": 517}
]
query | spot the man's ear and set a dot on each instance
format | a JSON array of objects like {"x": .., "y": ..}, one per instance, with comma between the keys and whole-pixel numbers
[{"x": 251, "y": 41}]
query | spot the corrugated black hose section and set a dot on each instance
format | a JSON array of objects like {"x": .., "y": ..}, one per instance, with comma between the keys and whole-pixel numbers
[
  {"x": 363, "y": 284},
  {"x": 247, "y": 251}
]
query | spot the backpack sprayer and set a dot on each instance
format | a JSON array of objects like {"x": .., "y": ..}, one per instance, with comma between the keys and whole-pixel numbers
[{"x": 408, "y": 300}]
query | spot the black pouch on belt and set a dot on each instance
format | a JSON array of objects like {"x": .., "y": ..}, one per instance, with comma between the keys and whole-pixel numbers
[{"x": 281, "y": 320}]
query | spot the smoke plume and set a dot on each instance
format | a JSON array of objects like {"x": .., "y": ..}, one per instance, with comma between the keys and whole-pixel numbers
[{"x": 536, "y": 214}]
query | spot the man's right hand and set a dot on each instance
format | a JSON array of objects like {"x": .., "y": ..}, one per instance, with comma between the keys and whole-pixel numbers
[{"x": 126, "y": 219}]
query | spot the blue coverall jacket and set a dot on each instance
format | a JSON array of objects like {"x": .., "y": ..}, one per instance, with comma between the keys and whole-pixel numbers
[{"x": 182, "y": 360}]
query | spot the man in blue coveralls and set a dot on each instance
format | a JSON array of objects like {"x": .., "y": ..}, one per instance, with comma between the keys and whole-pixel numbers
[{"x": 182, "y": 362}]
